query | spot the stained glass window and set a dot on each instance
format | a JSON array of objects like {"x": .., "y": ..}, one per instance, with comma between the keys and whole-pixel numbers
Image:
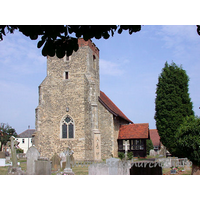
[
  {"x": 64, "y": 131},
  {"x": 67, "y": 119},
  {"x": 71, "y": 130},
  {"x": 68, "y": 127}
]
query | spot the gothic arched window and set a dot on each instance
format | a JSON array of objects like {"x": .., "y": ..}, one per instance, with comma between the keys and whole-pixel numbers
[{"x": 67, "y": 127}]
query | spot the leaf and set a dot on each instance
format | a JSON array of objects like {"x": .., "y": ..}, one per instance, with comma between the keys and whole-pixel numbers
[
  {"x": 45, "y": 49},
  {"x": 33, "y": 37},
  {"x": 40, "y": 43},
  {"x": 106, "y": 35},
  {"x": 60, "y": 52}
]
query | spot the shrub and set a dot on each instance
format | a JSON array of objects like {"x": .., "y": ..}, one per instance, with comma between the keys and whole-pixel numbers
[
  {"x": 19, "y": 151},
  {"x": 121, "y": 155},
  {"x": 149, "y": 146},
  {"x": 130, "y": 155}
]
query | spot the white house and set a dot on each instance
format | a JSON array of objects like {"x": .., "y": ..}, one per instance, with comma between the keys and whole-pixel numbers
[{"x": 25, "y": 139}]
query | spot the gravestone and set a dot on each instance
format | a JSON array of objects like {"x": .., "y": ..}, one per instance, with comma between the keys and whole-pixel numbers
[
  {"x": 63, "y": 160},
  {"x": 113, "y": 166},
  {"x": 13, "y": 145},
  {"x": 124, "y": 167},
  {"x": 2, "y": 159},
  {"x": 55, "y": 162},
  {"x": 42, "y": 166},
  {"x": 68, "y": 170},
  {"x": 14, "y": 169},
  {"x": 98, "y": 169},
  {"x": 152, "y": 152},
  {"x": 32, "y": 155},
  {"x": 146, "y": 168},
  {"x": 2, "y": 162}
]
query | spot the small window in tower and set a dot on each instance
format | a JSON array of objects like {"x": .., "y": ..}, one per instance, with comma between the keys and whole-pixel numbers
[
  {"x": 94, "y": 62},
  {"x": 66, "y": 58},
  {"x": 66, "y": 75}
]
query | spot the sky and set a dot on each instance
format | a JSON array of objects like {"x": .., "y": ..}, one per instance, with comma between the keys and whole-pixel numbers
[{"x": 129, "y": 69}]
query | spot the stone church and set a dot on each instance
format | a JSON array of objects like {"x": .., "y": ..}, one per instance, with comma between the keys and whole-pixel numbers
[{"x": 72, "y": 110}]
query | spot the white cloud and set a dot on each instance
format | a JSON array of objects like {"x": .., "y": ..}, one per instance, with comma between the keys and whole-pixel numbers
[
  {"x": 111, "y": 68},
  {"x": 176, "y": 35}
]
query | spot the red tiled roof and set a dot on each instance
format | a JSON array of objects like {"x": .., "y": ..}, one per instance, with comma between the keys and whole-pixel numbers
[
  {"x": 134, "y": 131},
  {"x": 154, "y": 136},
  {"x": 111, "y": 107}
]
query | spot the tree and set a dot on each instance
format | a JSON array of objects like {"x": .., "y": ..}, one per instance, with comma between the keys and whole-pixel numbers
[
  {"x": 6, "y": 132},
  {"x": 188, "y": 141},
  {"x": 149, "y": 146},
  {"x": 172, "y": 104},
  {"x": 59, "y": 40}
]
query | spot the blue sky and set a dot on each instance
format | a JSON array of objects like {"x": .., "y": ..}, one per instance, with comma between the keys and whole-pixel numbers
[{"x": 129, "y": 70}]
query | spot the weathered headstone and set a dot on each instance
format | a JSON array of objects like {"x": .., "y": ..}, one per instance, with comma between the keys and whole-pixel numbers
[
  {"x": 55, "y": 162},
  {"x": 68, "y": 170},
  {"x": 42, "y": 166},
  {"x": 63, "y": 160},
  {"x": 113, "y": 166},
  {"x": 2, "y": 162},
  {"x": 98, "y": 169},
  {"x": 32, "y": 155},
  {"x": 152, "y": 152},
  {"x": 13, "y": 145},
  {"x": 2, "y": 158}
]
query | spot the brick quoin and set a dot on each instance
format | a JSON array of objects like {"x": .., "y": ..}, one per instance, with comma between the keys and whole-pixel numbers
[{"x": 82, "y": 42}]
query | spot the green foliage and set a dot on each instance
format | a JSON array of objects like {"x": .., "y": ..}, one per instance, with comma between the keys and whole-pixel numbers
[
  {"x": 188, "y": 139},
  {"x": 121, "y": 155},
  {"x": 57, "y": 39},
  {"x": 6, "y": 132},
  {"x": 173, "y": 103},
  {"x": 19, "y": 151},
  {"x": 149, "y": 146},
  {"x": 130, "y": 155}
]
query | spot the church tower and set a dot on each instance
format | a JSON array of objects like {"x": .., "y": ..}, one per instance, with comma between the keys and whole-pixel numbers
[{"x": 67, "y": 114}]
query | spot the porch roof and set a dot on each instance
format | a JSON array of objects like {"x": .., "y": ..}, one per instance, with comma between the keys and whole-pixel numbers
[{"x": 134, "y": 131}]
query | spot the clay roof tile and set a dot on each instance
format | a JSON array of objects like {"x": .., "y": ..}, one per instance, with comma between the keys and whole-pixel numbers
[{"x": 134, "y": 131}]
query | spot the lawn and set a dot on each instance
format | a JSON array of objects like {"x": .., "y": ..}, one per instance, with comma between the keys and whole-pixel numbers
[
  {"x": 83, "y": 170},
  {"x": 166, "y": 171},
  {"x": 78, "y": 170}
]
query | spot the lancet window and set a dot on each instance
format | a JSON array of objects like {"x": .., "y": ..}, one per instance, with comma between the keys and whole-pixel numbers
[{"x": 68, "y": 128}]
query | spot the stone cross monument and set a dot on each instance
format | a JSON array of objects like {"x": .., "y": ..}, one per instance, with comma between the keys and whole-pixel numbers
[
  {"x": 126, "y": 148},
  {"x": 13, "y": 143},
  {"x": 68, "y": 170}
]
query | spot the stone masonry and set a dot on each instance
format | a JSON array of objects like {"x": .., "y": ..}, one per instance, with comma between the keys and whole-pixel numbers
[{"x": 71, "y": 88}]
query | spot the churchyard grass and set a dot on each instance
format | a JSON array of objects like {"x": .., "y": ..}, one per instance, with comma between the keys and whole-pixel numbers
[
  {"x": 3, "y": 170},
  {"x": 166, "y": 171},
  {"x": 78, "y": 170}
]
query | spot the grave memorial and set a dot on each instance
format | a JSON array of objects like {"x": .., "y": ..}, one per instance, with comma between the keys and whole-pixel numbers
[{"x": 32, "y": 155}]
